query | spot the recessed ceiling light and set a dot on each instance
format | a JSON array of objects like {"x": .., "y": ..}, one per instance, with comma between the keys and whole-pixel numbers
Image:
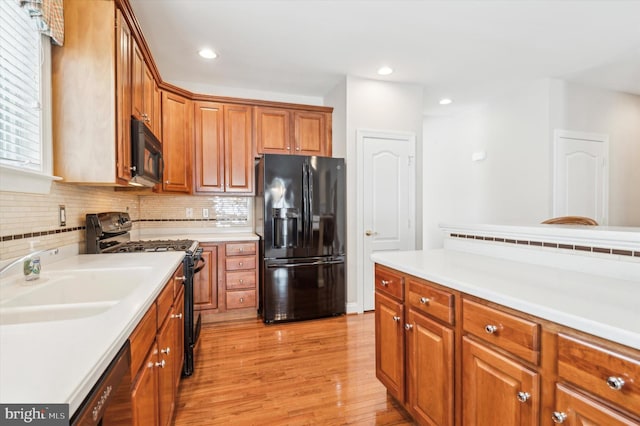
[
  {"x": 208, "y": 54},
  {"x": 445, "y": 101},
  {"x": 385, "y": 71}
]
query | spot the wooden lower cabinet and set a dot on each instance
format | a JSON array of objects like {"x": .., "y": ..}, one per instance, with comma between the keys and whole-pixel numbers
[
  {"x": 161, "y": 335},
  {"x": 454, "y": 359},
  {"x": 430, "y": 370},
  {"x": 227, "y": 287},
  {"x": 390, "y": 345},
  {"x": 496, "y": 389}
]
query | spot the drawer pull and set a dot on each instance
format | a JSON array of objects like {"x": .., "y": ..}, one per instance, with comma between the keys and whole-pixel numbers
[
  {"x": 385, "y": 283},
  {"x": 240, "y": 264},
  {"x": 242, "y": 300},
  {"x": 490, "y": 328},
  {"x": 424, "y": 300},
  {"x": 396, "y": 318},
  {"x": 240, "y": 280},
  {"x": 179, "y": 316},
  {"x": 615, "y": 383},
  {"x": 166, "y": 350},
  {"x": 408, "y": 326},
  {"x": 161, "y": 364},
  {"x": 523, "y": 396},
  {"x": 558, "y": 417}
]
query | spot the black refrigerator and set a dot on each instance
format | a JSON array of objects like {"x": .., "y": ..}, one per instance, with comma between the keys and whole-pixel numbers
[{"x": 300, "y": 217}]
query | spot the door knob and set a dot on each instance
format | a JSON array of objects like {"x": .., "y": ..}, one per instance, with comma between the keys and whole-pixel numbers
[{"x": 369, "y": 233}]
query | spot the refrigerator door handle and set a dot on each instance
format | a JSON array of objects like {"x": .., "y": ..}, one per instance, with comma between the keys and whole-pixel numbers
[
  {"x": 305, "y": 204},
  {"x": 295, "y": 265}
]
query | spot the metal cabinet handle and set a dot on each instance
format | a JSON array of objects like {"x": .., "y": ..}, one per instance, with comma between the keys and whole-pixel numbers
[
  {"x": 297, "y": 148},
  {"x": 523, "y": 396},
  {"x": 424, "y": 300},
  {"x": 240, "y": 280},
  {"x": 558, "y": 417},
  {"x": 240, "y": 264},
  {"x": 161, "y": 364},
  {"x": 242, "y": 300},
  {"x": 615, "y": 383},
  {"x": 385, "y": 283},
  {"x": 408, "y": 326},
  {"x": 166, "y": 350},
  {"x": 179, "y": 316},
  {"x": 396, "y": 318},
  {"x": 182, "y": 278},
  {"x": 490, "y": 329},
  {"x": 241, "y": 249},
  {"x": 289, "y": 148}
]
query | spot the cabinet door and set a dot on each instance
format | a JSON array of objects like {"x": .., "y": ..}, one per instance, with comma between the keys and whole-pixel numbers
[
  {"x": 574, "y": 409},
  {"x": 177, "y": 140},
  {"x": 491, "y": 386},
  {"x": 123, "y": 99},
  {"x": 156, "y": 121},
  {"x": 390, "y": 345},
  {"x": 144, "y": 395},
  {"x": 177, "y": 316},
  {"x": 166, "y": 386},
  {"x": 238, "y": 152},
  {"x": 310, "y": 133},
  {"x": 273, "y": 130},
  {"x": 209, "y": 146},
  {"x": 137, "y": 81},
  {"x": 148, "y": 83},
  {"x": 205, "y": 283},
  {"x": 430, "y": 363}
]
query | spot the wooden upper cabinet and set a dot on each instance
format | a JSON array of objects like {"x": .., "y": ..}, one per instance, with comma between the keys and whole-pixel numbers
[
  {"x": 238, "y": 156},
  {"x": 291, "y": 131},
  {"x": 143, "y": 88},
  {"x": 156, "y": 120},
  {"x": 223, "y": 148},
  {"x": 273, "y": 130},
  {"x": 177, "y": 141},
  {"x": 310, "y": 133},
  {"x": 209, "y": 146}
]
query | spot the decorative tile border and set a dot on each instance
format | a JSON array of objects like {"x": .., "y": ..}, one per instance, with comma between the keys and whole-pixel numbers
[
  {"x": 581, "y": 248},
  {"x": 241, "y": 219},
  {"x": 41, "y": 233}
]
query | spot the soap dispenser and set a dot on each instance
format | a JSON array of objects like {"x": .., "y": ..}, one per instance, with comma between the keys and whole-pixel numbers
[{"x": 31, "y": 266}]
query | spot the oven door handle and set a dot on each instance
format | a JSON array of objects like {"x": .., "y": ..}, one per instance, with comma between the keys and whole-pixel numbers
[{"x": 199, "y": 265}]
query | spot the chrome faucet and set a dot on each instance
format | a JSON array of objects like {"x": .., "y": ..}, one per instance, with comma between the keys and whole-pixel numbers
[{"x": 25, "y": 257}]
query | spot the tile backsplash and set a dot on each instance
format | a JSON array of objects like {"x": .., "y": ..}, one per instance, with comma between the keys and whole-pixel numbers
[{"x": 28, "y": 217}]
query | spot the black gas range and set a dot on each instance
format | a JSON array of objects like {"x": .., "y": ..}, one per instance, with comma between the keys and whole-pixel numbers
[{"x": 110, "y": 232}]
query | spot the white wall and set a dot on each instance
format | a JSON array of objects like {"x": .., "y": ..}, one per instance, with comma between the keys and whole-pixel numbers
[
  {"x": 511, "y": 186},
  {"x": 586, "y": 109},
  {"x": 374, "y": 105},
  {"x": 337, "y": 98}
]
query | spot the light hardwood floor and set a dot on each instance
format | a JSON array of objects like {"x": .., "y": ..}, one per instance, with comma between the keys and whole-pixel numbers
[{"x": 319, "y": 372}]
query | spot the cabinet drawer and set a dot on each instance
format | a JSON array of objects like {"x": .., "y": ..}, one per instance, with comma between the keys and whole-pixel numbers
[
  {"x": 241, "y": 299},
  {"x": 240, "y": 249},
  {"x": 389, "y": 282},
  {"x": 509, "y": 332},
  {"x": 237, "y": 263},
  {"x": 242, "y": 279},
  {"x": 431, "y": 301},
  {"x": 164, "y": 302},
  {"x": 142, "y": 338},
  {"x": 596, "y": 370}
]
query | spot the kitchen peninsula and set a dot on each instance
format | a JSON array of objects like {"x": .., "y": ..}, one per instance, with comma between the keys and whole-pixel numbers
[{"x": 517, "y": 335}]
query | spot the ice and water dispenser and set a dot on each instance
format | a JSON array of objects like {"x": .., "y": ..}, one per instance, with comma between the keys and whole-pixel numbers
[{"x": 285, "y": 227}]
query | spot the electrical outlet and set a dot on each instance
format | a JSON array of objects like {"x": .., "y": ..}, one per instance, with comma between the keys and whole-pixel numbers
[
  {"x": 205, "y": 213},
  {"x": 189, "y": 212}
]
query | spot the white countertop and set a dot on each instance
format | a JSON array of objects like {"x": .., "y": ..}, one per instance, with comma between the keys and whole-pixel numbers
[
  {"x": 59, "y": 361},
  {"x": 602, "y": 306}
]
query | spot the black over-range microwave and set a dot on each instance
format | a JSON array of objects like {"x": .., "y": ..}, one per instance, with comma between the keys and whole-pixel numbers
[{"x": 146, "y": 155}]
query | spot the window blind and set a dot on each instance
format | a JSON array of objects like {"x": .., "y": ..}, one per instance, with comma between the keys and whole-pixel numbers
[{"x": 20, "y": 72}]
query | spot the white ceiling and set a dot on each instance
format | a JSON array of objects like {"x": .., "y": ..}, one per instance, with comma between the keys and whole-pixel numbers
[{"x": 466, "y": 50}]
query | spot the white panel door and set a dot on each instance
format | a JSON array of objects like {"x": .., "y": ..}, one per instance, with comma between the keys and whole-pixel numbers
[
  {"x": 388, "y": 202},
  {"x": 580, "y": 176}
]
